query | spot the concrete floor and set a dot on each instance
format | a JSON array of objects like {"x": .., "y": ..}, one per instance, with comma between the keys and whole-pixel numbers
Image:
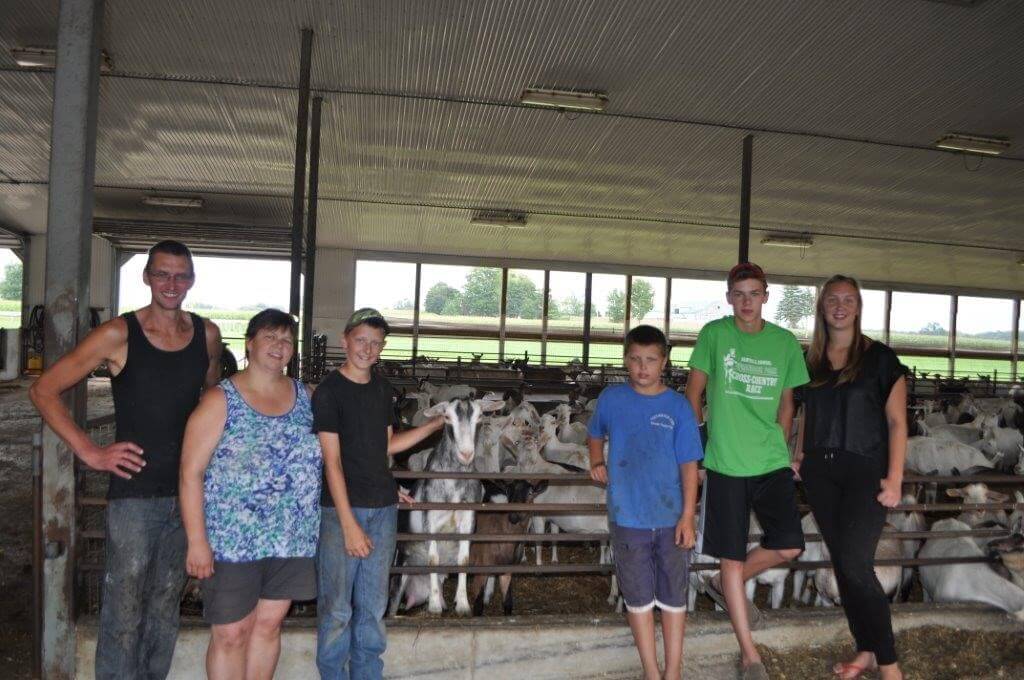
[{"x": 550, "y": 647}]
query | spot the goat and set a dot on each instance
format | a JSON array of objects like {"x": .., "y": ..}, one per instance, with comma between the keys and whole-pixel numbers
[
  {"x": 487, "y": 553},
  {"x": 773, "y": 578},
  {"x": 908, "y": 521},
  {"x": 972, "y": 582},
  {"x": 977, "y": 493},
  {"x": 1009, "y": 552},
  {"x": 965, "y": 434},
  {"x": 941, "y": 457},
  {"x": 455, "y": 452},
  {"x": 569, "y": 432}
]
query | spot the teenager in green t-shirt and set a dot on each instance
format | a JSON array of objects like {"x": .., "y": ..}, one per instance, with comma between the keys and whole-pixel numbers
[{"x": 748, "y": 367}]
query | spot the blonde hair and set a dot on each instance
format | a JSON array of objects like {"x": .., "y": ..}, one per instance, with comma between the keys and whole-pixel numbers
[{"x": 818, "y": 364}]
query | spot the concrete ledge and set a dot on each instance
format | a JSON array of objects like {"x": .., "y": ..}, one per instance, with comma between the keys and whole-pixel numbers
[{"x": 543, "y": 647}]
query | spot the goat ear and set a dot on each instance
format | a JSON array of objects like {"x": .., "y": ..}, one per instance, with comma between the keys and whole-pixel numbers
[
  {"x": 487, "y": 405},
  {"x": 956, "y": 493},
  {"x": 436, "y": 410},
  {"x": 996, "y": 497}
]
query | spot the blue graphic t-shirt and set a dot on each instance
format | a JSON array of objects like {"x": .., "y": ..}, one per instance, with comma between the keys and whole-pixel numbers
[{"x": 648, "y": 438}]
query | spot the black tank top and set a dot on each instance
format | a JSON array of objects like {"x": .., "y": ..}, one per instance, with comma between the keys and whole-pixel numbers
[{"x": 154, "y": 394}]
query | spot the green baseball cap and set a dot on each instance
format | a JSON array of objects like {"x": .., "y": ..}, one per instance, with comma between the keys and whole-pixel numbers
[{"x": 367, "y": 315}]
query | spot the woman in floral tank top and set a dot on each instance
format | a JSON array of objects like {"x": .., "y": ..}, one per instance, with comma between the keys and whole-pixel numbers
[{"x": 250, "y": 501}]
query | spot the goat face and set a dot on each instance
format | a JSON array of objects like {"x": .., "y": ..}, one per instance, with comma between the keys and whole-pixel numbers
[{"x": 462, "y": 417}]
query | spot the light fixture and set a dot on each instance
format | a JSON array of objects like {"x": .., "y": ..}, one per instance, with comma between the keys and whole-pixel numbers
[
  {"x": 46, "y": 58},
  {"x": 786, "y": 241},
  {"x": 990, "y": 146},
  {"x": 564, "y": 99},
  {"x": 173, "y": 201},
  {"x": 501, "y": 220}
]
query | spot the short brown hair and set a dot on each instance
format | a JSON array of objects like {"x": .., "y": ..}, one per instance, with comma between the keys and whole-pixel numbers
[
  {"x": 646, "y": 336},
  {"x": 744, "y": 271}
]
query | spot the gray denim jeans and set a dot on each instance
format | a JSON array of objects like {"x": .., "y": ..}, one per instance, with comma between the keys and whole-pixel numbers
[{"x": 142, "y": 587}]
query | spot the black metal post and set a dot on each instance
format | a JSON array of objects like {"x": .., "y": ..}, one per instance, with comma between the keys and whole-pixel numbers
[
  {"x": 544, "y": 319},
  {"x": 314, "y": 191},
  {"x": 503, "y": 307},
  {"x": 748, "y": 156},
  {"x": 68, "y": 254},
  {"x": 299, "y": 187},
  {"x": 586, "y": 318},
  {"x": 1015, "y": 340},
  {"x": 416, "y": 318}
]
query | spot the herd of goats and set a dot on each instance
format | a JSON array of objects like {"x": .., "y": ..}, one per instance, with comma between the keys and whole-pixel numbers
[{"x": 959, "y": 435}]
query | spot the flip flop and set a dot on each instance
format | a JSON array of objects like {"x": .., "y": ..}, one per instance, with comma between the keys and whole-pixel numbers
[
  {"x": 850, "y": 671},
  {"x": 753, "y": 613},
  {"x": 755, "y": 671}
]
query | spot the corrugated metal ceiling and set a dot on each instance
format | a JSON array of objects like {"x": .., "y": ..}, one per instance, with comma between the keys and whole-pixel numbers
[{"x": 421, "y": 124}]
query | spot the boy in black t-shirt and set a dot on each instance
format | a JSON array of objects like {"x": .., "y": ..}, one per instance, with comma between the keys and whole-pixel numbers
[{"x": 352, "y": 416}]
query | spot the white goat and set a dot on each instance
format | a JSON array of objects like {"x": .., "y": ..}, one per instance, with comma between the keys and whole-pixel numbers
[
  {"x": 974, "y": 582},
  {"x": 978, "y": 493},
  {"x": 454, "y": 453},
  {"x": 929, "y": 455}
]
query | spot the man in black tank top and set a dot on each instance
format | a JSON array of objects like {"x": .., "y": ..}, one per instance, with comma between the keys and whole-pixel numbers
[{"x": 161, "y": 358}]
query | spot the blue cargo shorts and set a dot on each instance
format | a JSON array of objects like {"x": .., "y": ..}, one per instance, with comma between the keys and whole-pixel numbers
[{"x": 652, "y": 569}]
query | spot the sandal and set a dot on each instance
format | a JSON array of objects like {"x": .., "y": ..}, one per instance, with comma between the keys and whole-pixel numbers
[
  {"x": 716, "y": 594},
  {"x": 851, "y": 671}
]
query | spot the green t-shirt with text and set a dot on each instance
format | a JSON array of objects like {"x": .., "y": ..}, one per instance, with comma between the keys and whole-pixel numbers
[{"x": 747, "y": 373}]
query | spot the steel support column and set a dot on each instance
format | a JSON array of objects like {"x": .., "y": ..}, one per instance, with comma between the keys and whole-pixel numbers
[
  {"x": 1015, "y": 340},
  {"x": 544, "y": 318},
  {"x": 68, "y": 254},
  {"x": 299, "y": 187},
  {"x": 586, "y": 318},
  {"x": 748, "y": 160},
  {"x": 503, "y": 314},
  {"x": 314, "y": 192}
]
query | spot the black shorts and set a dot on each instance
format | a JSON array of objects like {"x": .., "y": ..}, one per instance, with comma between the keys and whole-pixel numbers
[
  {"x": 236, "y": 587},
  {"x": 725, "y": 508}
]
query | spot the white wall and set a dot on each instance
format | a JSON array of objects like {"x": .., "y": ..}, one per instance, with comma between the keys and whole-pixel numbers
[
  {"x": 333, "y": 291},
  {"x": 101, "y": 285}
]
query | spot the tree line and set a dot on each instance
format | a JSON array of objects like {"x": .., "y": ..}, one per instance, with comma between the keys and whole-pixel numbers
[{"x": 480, "y": 295}]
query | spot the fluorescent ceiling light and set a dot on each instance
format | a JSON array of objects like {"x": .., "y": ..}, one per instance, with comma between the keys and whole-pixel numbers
[
  {"x": 991, "y": 146},
  {"x": 502, "y": 220},
  {"x": 46, "y": 58},
  {"x": 173, "y": 201},
  {"x": 564, "y": 99},
  {"x": 787, "y": 241}
]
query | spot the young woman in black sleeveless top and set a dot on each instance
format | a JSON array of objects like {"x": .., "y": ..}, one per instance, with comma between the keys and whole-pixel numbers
[{"x": 852, "y": 446}]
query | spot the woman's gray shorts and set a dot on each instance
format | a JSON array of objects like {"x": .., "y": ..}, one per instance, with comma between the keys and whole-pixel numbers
[
  {"x": 236, "y": 587},
  {"x": 652, "y": 569}
]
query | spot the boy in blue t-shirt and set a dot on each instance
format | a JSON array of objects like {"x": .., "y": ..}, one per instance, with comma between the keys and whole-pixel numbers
[{"x": 651, "y": 473}]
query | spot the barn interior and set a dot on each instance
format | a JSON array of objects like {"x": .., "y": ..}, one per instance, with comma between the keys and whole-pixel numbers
[{"x": 585, "y": 146}]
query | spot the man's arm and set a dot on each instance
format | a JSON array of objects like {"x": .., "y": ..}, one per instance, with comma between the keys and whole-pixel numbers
[
  {"x": 214, "y": 348},
  {"x": 204, "y": 430},
  {"x": 696, "y": 383},
  {"x": 357, "y": 543},
  {"x": 406, "y": 439},
  {"x": 786, "y": 410},
  {"x": 105, "y": 343}
]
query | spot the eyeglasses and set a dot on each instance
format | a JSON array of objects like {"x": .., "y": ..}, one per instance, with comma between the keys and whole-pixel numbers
[{"x": 164, "y": 277}]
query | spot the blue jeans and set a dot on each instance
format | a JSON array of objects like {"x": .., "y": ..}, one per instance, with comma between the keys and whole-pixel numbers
[
  {"x": 142, "y": 586},
  {"x": 353, "y": 596}
]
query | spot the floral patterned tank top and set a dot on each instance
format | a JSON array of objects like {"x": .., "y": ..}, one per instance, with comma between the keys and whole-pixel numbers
[{"x": 262, "y": 486}]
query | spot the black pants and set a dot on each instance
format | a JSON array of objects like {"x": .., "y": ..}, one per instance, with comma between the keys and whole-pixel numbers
[{"x": 842, "y": 490}]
